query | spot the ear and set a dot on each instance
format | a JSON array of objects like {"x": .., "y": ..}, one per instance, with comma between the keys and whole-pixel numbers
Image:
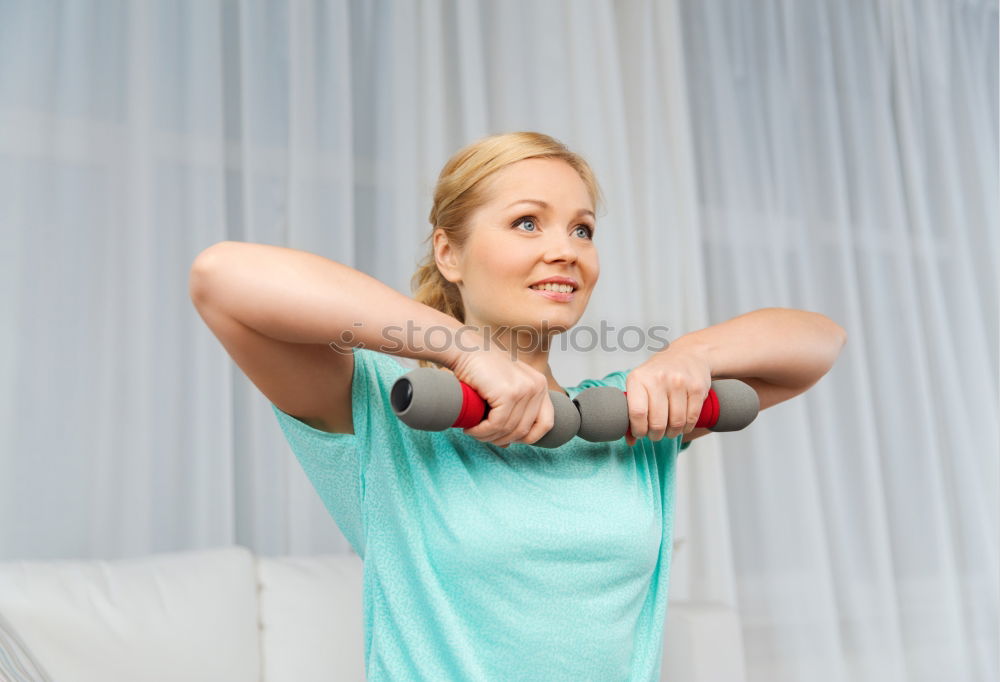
[{"x": 446, "y": 257}]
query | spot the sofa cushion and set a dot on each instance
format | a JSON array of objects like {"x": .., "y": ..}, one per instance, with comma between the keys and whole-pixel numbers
[
  {"x": 16, "y": 661},
  {"x": 311, "y": 619},
  {"x": 702, "y": 643},
  {"x": 185, "y": 616}
]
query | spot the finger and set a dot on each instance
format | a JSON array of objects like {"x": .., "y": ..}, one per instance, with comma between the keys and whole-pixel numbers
[
  {"x": 500, "y": 420},
  {"x": 678, "y": 412},
  {"x": 496, "y": 427},
  {"x": 508, "y": 430},
  {"x": 544, "y": 419},
  {"x": 659, "y": 408},
  {"x": 638, "y": 404},
  {"x": 491, "y": 427},
  {"x": 535, "y": 406},
  {"x": 694, "y": 411},
  {"x": 532, "y": 408},
  {"x": 485, "y": 429}
]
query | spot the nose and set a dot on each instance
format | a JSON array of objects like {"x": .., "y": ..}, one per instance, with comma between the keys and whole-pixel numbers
[{"x": 560, "y": 248}]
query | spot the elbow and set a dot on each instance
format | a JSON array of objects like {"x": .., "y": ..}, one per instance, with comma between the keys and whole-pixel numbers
[
  {"x": 840, "y": 334},
  {"x": 836, "y": 332},
  {"x": 200, "y": 275},
  {"x": 834, "y": 339}
]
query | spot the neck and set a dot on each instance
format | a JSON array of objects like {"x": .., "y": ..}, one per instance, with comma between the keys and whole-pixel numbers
[{"x": 524, "y": 345}]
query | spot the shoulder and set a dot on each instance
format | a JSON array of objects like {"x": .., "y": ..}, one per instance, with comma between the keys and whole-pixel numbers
[{"x": 379, "y": 362}]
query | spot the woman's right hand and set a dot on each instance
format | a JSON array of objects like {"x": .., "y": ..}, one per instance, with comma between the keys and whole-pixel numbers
[{"x": 518, "y": 396}]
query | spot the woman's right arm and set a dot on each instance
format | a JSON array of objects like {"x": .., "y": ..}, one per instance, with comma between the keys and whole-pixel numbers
[{"x": 276, "y": 311}]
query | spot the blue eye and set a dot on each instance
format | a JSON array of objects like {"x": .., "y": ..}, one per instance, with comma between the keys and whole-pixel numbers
[
  {"x": 527, "y": 219},
  {"x": 523, "y": 219}
]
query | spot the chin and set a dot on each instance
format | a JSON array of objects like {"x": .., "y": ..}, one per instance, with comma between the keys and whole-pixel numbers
[
  {"x": 558, "y": 324},
  {"x": 549, "y": 323}
]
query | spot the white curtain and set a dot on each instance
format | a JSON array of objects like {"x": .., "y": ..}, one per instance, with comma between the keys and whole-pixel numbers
[
  {"x": 832, "y": 156},
  {"x": 847, "y": 163}
]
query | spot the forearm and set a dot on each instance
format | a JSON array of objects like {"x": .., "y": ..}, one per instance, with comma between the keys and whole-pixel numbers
[
  {"x": 301, "y": 297},
  {"x": 781, "y": 346}
]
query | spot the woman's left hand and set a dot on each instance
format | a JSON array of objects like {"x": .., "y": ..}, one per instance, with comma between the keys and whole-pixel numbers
[{"x": 666, "y": 393}]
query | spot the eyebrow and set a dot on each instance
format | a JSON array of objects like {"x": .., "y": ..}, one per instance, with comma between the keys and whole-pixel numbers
[{"x": 582, "y": 211}]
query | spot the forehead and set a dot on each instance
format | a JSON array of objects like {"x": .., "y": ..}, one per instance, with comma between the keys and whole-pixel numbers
[{"x": 551, "y": 180}]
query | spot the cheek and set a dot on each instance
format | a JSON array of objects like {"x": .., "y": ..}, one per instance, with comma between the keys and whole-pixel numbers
[
  {"x": 492, "y": 265},
  {"x": 594, "y": 265},
  {"x": 502, "y": 262}
]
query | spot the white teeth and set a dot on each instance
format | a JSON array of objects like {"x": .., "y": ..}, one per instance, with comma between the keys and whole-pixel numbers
[{"x": 549, "y": 286}]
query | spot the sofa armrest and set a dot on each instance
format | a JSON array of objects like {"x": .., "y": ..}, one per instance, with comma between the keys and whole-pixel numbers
[{"x": 702, "y": 643}]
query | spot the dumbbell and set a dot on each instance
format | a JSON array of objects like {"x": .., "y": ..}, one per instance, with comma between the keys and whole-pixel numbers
[
  {"x": 731, "y": 405},
  {"x": 434, "y": 400}
]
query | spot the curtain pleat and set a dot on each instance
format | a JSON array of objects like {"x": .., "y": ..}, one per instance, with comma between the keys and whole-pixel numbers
[{"x": 839, "y": 157}]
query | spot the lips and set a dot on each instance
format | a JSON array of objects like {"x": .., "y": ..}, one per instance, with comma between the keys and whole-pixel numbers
[
  {"x": 558, "y": 280},
  {"x": 555, "y": 295},
  {"x": 558, "y": 288}
]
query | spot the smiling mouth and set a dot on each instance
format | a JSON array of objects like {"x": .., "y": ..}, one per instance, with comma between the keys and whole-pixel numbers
[
  {"x": 558, "y": 296},
  {"x": 556, "y": 288}
]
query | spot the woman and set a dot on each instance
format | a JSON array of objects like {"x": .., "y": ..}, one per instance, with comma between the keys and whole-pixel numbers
[{"x": 485, "y": 561}]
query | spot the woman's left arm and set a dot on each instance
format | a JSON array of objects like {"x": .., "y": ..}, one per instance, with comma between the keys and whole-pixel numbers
[{"x": 780, "y": 352}]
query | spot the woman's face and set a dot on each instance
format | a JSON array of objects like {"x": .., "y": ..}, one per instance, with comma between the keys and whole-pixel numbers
[{"x": 515, "y": 243}]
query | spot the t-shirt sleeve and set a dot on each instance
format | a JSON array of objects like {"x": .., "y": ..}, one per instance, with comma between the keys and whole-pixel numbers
[{"x": 335, "y": 463}]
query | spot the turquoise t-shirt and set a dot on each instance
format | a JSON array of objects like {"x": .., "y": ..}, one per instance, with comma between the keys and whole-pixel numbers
[{"x": 485, "y": 563}]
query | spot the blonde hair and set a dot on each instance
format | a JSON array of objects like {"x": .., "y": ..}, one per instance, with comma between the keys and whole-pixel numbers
[{"x": 460, "y": 191}]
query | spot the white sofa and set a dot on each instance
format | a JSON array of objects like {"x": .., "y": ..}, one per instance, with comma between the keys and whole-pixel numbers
[{"x": 225, "y": 615}]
